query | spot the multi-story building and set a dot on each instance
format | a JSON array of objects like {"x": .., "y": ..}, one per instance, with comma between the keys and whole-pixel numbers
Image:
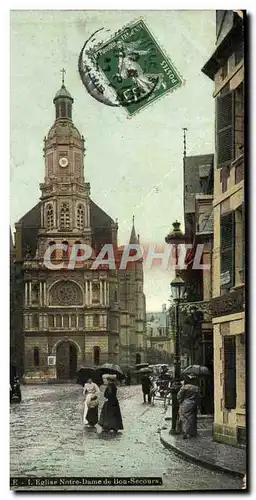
[
  {"x": 198, "y": 197},
  {"x": 80, "y": 315},
  {"x": 158, "y": 337},
  {"x": 226, "y": 68}
]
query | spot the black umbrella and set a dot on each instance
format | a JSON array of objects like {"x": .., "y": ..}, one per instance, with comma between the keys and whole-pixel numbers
[
  {"x": 111, "y": 369},
  {"x": 196, "y": 370},
  {"x": 88, "y": 372},
  {"x": 141, "y": 365}
]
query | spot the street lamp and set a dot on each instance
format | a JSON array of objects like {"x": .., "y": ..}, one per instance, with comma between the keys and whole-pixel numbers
[{"x": 178, "y": 291}]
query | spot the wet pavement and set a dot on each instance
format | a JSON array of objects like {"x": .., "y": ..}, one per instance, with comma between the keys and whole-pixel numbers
[{"x": 47, "y": 439}]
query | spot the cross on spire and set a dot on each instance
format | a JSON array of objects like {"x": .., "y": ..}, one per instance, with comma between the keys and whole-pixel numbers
[
  {"x": 63, "y": 71},
  {"x": 133, "y": 218}
]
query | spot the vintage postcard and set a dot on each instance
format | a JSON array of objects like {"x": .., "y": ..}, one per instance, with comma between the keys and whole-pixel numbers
[{"x": 127, "y": 251}]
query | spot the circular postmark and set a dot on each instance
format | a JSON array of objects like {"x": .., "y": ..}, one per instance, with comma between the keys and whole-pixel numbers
[{"x": 116, "y": 72}]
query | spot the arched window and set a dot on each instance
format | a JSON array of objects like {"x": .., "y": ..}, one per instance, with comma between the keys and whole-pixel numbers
[
  {"x": 78, "y": 250},
  {"x": 96, "y": 355},
  {"x": 50, "y": 217},
  {"x": 115, "y": 296},
  {"x": 80, "y": 217},
  {"x": 65, "y": 251},
  {"x": 36, "y": 356},
  {"x": 64, "y": 216},
  {"x": 54, "y": 253}
]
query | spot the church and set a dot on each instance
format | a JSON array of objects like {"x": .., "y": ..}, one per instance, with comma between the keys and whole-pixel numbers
[{"x": 77, "y": 317}]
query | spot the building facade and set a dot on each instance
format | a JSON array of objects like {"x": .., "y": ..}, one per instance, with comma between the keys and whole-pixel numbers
[
  {"x": 81, "y": 314},
  {"x": 197, "y": 338},
  {"x": 226, "y": 68},
  {"x": 159, "y": 341}
]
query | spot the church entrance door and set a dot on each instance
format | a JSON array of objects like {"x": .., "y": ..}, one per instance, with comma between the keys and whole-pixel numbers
[{"x": 66, "y": 360}]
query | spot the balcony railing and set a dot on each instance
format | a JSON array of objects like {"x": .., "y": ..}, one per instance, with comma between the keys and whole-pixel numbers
[{"x": 202, "y": 306}]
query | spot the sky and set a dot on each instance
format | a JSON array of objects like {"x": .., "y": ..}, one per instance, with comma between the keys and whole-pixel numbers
[{"x": 134, "y": 165}]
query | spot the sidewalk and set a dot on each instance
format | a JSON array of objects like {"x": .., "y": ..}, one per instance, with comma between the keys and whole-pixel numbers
[{"x": 203, "y": 450}]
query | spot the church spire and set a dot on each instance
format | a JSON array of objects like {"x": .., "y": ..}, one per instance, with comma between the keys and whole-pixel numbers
[
  {"x": 63, "y": 101},
  {"x": 133, "y": 237}
]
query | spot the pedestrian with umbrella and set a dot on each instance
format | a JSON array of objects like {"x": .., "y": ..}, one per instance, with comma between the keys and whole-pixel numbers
[
  {"x": 146, "y": 384},
  {"x": 189, "y": 399},
  {"x": 110, "y": 417}
]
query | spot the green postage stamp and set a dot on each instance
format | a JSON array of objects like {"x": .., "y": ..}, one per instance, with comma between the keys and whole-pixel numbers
[{"x": 136, "y": 67}]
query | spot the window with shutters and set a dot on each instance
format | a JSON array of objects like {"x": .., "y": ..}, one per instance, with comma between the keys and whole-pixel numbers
[
  {"x": 227, "y": 250},
  {"x": 239, "y": 120},
  {"x": 80, "y": 217},
  {"x": 50, "y": 217},
  {"x": 225, "y": 128},
  {"x": 64, "y": 216},
  {"x": 239, "y": 249},
  {"x": 230, "y": 372}
]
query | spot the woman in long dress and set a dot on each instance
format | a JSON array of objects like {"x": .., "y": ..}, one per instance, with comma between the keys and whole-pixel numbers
[
  {"x": 91, "y": 404},
  {"x": 189, "y": 399},
  {"x": 110, "y": 417}
]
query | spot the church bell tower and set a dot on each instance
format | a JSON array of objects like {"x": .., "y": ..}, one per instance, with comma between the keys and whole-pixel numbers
[{"x": 65, "y": 207}]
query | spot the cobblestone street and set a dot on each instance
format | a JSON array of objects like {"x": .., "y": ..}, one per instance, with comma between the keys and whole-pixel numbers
[{"x": 47, "y": 439}]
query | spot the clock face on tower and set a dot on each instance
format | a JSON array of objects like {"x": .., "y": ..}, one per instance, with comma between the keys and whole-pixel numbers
[{"x": 63, "y": 162}]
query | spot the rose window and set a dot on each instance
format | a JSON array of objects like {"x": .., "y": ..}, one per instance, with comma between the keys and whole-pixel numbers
[{"x": 66, "y": 293}]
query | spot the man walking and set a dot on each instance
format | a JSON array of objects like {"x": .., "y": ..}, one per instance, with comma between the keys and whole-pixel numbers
[{"x": 146, "y": 385}]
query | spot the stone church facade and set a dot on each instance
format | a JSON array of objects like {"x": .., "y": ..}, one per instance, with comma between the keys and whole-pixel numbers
[{"x": 81, "y": 316}]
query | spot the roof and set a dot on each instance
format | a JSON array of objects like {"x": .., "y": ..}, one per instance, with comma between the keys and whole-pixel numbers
[
  {"x": 195, "y": 169},
  {"x": 32, "y": 218},
  {"x": 225, "y": 48},
  {"x": 99, "y": 218},
  {"x": 63, "y": 92}
]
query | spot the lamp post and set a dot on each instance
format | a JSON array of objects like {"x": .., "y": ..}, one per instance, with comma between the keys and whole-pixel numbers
[
  {"x": 176, "y": 237},
  {"x": 178, "y": 289}
]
